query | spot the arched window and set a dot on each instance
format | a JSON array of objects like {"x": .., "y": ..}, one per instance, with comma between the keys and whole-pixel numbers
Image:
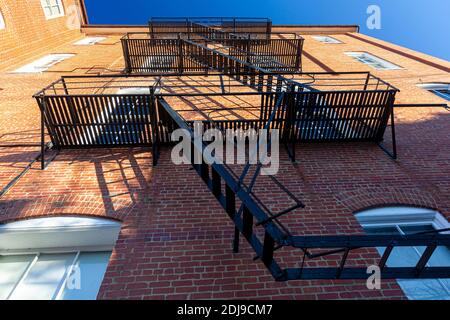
[
  {"x": 57, "y": 258},
  {"x": 407, "y": 220}
]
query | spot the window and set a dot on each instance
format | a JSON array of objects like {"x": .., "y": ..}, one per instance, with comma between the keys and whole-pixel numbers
[
  {"x": 2, "y": 22},
  {"x": 44, "y": 63},
  {"x": 404, "y": 220},
  {"x": 60, "y": 258},
  {"x": 327, "y": 39},
  {"x": 89, "y": 41},
  {"x": 52, "y": 8},
  {"x": 440, "y": 89},
  {"x": 373, "y": 61}
]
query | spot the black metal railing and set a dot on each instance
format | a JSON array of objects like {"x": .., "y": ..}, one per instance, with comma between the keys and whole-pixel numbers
[
  {"x": 124, "y": 110},
  {"x": 250, "y": 80},
  {"x": 166, "y": 26},
  {"x": 270, "y": 54},
  {"x": 106, "y": 111},
  {"x": 144, "y": 54},
  {"x": 249, "y": 213}
]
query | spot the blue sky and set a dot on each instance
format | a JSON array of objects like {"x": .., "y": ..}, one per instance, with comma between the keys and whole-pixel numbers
[{"x": 422, "y": 25}]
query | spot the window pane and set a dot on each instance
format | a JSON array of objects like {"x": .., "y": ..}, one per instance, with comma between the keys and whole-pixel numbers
[
  {"x": 326, "y": 39},
  {"x": 400, "y": 256},
  {"x": 427, "y": 289},
  {"x": 440, "y": 257},
  {"x": 45, "y": 277},
  {"x": 48, "y": 11},
  {"x": 373, "y": 61},
  {"x": 56, "y": 10},
  {"x": 417, "y": 229},
  {"x": 382, "y": 230},
  {"x": 11, "y": 270},
  {"x": 424, "y": 289},
  {"x": 442, "y": 93},
  {"x": 91, "y": 269}
]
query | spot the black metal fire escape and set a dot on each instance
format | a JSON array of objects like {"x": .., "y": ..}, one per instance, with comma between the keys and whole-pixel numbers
[{"x": 262, "y": 228}]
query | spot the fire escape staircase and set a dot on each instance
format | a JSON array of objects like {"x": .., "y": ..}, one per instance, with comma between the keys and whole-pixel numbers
[
  {"x": 229, "y": 189},
  {"x": 254, "y": 220}
]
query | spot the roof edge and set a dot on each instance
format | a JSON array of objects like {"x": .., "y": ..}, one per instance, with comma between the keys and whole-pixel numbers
[{"x": 306, "y": 29}]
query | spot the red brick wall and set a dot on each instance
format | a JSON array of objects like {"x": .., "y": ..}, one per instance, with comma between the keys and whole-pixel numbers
[
  {"x": 29, "y": 33},
  {"x": 176, "y": 240}
]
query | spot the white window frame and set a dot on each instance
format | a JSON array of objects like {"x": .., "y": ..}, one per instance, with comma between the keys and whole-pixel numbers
[
  {"x": 436, "y": 87},
  {"x": 327, "y": 39},
  {"x": 53, "y": 235},
  {"x": 403, "y": 216},
  {"x": 373, "y": 61},
  {"x": 89, "y": 41},
  {"x": 57, "y": 234},
  {"x": 2, "y": 21},
  {"x": 44, "y": 63},
  {"x": 48, "y": 5}
]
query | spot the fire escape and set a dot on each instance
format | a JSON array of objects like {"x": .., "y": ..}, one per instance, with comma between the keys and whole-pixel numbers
[{"x": 239, "y": 58}]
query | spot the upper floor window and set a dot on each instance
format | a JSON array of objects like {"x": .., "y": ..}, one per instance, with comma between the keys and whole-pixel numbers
[
  {"x": 89, "y": 41},
  {"x": 373, "y": 61},
  {"x": 58, "y": 258},
  {"x": 44, "y": 63},
  {"x": 327, "y": 39},
  {"x": 404, "y": 221},
  {"x": 440, "y": 89},
  {"x": 2, "y": 22},
  {"x": 52, "y": 8}
]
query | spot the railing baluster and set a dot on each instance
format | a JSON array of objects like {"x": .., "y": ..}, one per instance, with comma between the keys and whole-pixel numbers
[
  {"x": 268, "y": 249},
  {"x": 247, "y": 218},
  {"x": 204, "y": 171},
  {"x": 230, "y": 201},
  {"x": 425, "y": 258},
  {"x": 342, "y": 264},
  {"x": 216, "y": 183},
  {"x": 385, "y": 257}
]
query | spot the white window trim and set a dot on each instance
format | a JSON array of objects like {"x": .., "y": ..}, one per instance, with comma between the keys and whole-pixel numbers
[
  {"x": 2, "y": 22},
  {"x": 389, "y": 216},
  {"x": 58, "y": 235},
  {"x": 44, "y": 63},
  {"x": 89, "y": 41},
  {"x": 53, "y": 16},
  {"x": 322, "y": 39},
  {"x": 403, "y": 216},
  {"x": 387, "y": 64},
  {"x": 434, "y": 87}
]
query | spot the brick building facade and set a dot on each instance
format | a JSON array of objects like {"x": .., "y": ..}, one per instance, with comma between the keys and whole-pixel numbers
[
  {"x": 175, "y": 239},
  {"x": 28, "y": 32}
]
